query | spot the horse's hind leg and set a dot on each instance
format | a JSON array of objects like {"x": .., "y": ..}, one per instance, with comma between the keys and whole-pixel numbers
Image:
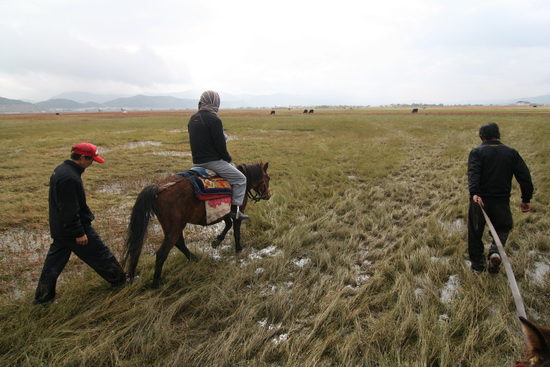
[
  {"x": 162, "y": 254},
  {"x": 221, "y": 236},
  {"x": 132, "y": 269},
  {"x": 181, "y": 246}
]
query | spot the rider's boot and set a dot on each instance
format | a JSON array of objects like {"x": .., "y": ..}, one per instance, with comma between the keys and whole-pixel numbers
[{"x": 237, "y": 214}]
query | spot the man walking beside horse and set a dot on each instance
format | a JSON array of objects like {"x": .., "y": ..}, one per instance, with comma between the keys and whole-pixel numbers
[
  {"x": 491, "y": 167},
  {"x": 71, "y": 226}
]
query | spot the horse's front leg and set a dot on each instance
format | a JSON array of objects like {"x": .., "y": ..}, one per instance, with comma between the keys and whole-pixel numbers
[
  {"x": 221, "y": 236},
  {"x": 237, "y": 234},
  {"x": 181, "y": 246}
]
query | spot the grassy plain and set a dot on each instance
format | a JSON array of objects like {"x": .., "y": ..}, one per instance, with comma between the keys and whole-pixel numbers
[{"x": 359, "y": 258}]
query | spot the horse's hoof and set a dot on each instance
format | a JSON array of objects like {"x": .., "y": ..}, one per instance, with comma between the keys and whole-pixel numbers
[
  {"x": 193, "y": 257},
  {"x": 130, "y": 280},
  {"x": 216, "y": 243}
]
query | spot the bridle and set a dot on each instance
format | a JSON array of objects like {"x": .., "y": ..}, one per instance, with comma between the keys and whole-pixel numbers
[
  {"x": 512, "y": 283},
  {"x": 260, "y": 191},
  {"x": 258, "y": 194}
]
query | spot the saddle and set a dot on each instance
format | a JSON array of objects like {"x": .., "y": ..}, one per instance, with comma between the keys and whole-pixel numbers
[
  {"x": 211, "y": 188},
  {"x": 208, "y": 184}
]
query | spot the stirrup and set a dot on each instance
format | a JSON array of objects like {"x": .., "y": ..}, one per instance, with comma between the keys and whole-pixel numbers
[{"x": 238, "y": 215}]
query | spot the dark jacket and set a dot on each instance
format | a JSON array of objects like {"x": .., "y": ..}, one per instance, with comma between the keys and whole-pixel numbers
[
  {"x": 207, "y": 138},
  {"x": 491, "y": 167},
  {"x": 67, "y": 201}
]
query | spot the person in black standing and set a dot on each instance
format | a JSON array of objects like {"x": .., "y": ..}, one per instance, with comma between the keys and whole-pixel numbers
[
  {"x": 491, "y": 167},
  {"x": 71, "y": 226}
]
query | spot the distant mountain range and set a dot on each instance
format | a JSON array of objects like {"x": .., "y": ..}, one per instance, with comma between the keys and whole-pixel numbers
[
  {"x": 191, "y": 98},
  {"x": 138, "y": 102},
  {"x": 16, "y": 106},
  {"x": 89, "y": 102}
]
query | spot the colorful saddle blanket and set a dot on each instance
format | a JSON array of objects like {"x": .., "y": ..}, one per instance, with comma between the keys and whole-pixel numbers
[{"x": 208, "y": 184}]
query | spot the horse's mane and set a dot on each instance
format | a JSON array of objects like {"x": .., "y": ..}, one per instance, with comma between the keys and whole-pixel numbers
[{"x": 253, "y": 172}]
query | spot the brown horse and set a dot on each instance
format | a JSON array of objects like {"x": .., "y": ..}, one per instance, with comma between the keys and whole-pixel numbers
[
  {"x": 174, "y": 203},
  {"x": 538, "y": 345}
]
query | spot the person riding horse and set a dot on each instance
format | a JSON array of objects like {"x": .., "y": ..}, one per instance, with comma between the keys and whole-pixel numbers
[
  {"x": 175, "y": 204},
  {"x": 209, "y": 149}
]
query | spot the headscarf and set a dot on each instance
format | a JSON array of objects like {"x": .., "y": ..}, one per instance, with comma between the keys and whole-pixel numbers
[{"x": 210, "y": 101}]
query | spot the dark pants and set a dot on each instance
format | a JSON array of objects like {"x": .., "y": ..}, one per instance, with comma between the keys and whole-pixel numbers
[
  {"x": 96, "y": 254},
  {"x": 498, "y": 210}
]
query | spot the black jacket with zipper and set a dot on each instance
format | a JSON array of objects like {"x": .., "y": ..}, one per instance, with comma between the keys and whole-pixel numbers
[
  {"x": 69, "y": 212},
  {"x": 207, "y": 138},
  {"x": 491, "y": 167}
]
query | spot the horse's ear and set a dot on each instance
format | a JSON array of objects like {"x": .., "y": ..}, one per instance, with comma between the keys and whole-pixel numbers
[
  {"x": 536, "y": 343},
  {"x": 265, "y": 166}
]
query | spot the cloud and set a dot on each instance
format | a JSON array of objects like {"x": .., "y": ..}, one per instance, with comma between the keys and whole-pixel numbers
[
  {"x": 439, "y": 51},
  {"x": 63, "y": 55},
  {"x": 486, "y": 24}
]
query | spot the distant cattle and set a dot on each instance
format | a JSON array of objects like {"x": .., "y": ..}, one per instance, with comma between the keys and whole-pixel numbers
[
  {"x": 305, "y": 111},
  {"x": 415, "y": 110},
  {"x": 272, "y": 112},
  {"x": 310, "y": 111}
]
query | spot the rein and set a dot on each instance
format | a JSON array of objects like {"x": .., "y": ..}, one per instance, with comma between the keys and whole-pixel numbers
[
  {"x": 508, "y": 267},
  {"x": 255, "y": 197}
]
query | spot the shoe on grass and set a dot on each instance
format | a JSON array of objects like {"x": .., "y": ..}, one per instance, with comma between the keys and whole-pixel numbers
[
  {"x": 478, "y": 267},
  {"x": 494, "y": 263}
]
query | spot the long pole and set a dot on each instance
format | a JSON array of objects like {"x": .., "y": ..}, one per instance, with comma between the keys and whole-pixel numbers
[{"x": 508, "y": 267}]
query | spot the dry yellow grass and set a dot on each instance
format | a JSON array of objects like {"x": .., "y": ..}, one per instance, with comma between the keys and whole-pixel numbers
[{"x": 357, "y": 260}]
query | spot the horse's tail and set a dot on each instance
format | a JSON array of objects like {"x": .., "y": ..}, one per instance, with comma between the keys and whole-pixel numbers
[{"x": 143, "y": 210}]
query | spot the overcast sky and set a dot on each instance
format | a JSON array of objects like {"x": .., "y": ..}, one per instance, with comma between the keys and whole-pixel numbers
[{"x": 361, "y": 51}]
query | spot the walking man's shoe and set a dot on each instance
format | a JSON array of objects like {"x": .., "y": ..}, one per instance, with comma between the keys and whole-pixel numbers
[
  {"x": 494, "y": 263},
  {"x": 478, "y": 266}
]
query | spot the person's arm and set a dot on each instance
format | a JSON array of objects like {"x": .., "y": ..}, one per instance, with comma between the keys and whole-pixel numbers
[
  {"x": 69, "y": 209},
  {"x": 523, "y": 177},
  {"x": 82, "y": 240},
  {"x": 478, "y": 200},
  {"x": 218, "y": 136},
  {"x": 525, "y": 207},
  {"x": 474, "y": 173}
]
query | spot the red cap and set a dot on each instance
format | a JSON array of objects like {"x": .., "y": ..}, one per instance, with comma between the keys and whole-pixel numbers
[{"x": 88, "y": 150}]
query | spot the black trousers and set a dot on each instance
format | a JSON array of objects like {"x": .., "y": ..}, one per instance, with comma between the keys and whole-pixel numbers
[
  {"x": 498, "y": 211},
  {"x": 96, "y": 254}
]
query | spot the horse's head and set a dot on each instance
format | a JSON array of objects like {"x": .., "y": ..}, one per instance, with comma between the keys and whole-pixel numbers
[
  {"x": 257, "y": 181},
  {"x": 538, "y": 345}
]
